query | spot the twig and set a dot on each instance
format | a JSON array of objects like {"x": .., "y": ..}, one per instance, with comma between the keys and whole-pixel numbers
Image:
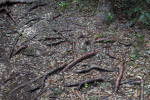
[
  {"x": 34, "y": 19},
  {"x": 110, "y": 55},
  {"x": 63, "y": 36},
  {"x": 54, "y": 43},
  {"x": 85, "y": 56},
  {"x": 126, "y": 44},
  {"x": 64, "y": 30},
  {"x": 19, "y": 50},
  {"x": 130, "y": 82},
  {"x": 50, "y": 38},
  {"x": 10, "y": 15},
  {"x": 94, "y": 68},
  {"x": 12, "y": 50},
  {"x": 39, "y": 86},
  {"x": 120, "y": 75},
  {"x": 142, "y": 90},
  {"x": 36, "y": 6},
  {"x": 35, "y": 79},
  {"x": 54, "y": 17},
  {"x": 41, "y": 92},
  {"x": 15, "y": 75},
  {"x": 92, "y": 80}
]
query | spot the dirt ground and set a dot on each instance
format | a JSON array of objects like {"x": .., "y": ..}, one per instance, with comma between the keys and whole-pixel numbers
[{"x": 78, "y": 30}]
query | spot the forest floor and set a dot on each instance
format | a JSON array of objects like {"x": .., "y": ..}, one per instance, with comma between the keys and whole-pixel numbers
[{"x": 47, "y": 36}]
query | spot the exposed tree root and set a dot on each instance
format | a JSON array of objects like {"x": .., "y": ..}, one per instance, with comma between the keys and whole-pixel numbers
[
  {"x": 85, "y": 56},
  {"x": 69, "y": 41},
  {"x": 86, "y": 81},
  {"x": 43, "y": 75},
  {"x": 19, "y": 50},
  {"x": 105, "y": 40},
  {"x": 94, "y": 68},
  {"x": 120, "y": 75}
]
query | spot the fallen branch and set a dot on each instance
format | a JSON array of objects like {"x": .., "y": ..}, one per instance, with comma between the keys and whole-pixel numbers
[
  {"x": 86, "y": 81},
  {"x": 45, "y": 74},
  {"x": 120, "y": 75},
  {"x": 94, "y": 68},
  {"x": 85, "y": 56}
]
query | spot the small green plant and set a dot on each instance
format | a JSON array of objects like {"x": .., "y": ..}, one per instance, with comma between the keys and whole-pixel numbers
[
  {"x": 106, "y": 41},
  {"x": 63, "y": 4},
  {"x": 132, "y": 57},
  {"x": 109, "y": 17},
  {"x": 101, "y": 35},
  {"x": 85, "y": 85},
  {"x": 75, "y": 1},
  {"x": 140, "y": 37}
]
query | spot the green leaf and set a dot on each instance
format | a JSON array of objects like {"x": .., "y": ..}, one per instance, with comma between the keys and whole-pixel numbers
[
  {"x": 147, "y": 15},
  {"x": 106, "y": 41},
  {"x": 75, "y": 1},
  {"x": 131, "y": 22},
  {"x": 85, "y": 85},
  {"x": 141, "y": 18}
]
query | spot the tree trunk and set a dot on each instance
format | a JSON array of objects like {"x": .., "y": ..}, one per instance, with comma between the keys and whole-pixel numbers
[{"x": 104, "y": 7}]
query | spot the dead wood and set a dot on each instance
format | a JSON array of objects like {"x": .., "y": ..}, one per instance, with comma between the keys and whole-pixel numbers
[
  {"x": 105, "y": 40},
  {"x": 51, "y": 71},
  {"x": 94, "y": 68},
  {"x": 92, "y": 80},
  {"x": 120, "y": 75},
  {"x": 84, "y": 56},
  {"x": 63, "y": 36}
]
